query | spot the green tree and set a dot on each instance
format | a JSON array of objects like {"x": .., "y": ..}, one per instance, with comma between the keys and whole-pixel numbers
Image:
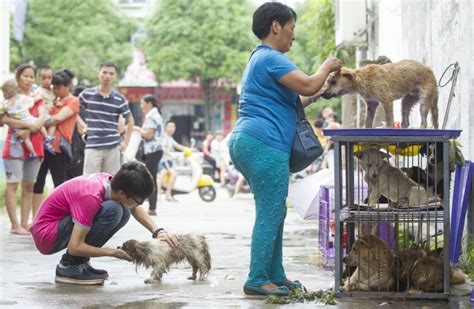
[
  {"x": 74, "y": 34},
  {"x": 315, "y": 41},
  {"x": 206, "y": 41}
]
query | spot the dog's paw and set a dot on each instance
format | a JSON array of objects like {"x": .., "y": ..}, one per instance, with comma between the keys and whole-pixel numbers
[{"x": 150, "y": 280}]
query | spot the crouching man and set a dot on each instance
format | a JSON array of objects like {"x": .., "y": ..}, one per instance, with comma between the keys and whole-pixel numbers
[{"x": 85, "y": 212}]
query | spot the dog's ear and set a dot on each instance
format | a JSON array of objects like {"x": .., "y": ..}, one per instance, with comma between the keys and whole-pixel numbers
[{"x": 349, "y": 75}]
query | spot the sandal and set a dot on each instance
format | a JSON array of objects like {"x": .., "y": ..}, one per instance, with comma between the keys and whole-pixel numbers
[
  {"x": 256, "y": 290},
  {"x": 289, "y": 284}
]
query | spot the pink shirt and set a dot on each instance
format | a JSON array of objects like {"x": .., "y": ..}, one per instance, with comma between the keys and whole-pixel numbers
[{"x": 81, "y": 198}]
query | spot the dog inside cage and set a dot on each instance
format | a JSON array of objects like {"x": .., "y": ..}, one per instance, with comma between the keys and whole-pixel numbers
[{"x": 393, "y": 213}]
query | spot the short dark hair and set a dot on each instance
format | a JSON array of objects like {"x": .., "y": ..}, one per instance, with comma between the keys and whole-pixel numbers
[
  {"x": 22, "y": 67},
  {"x": 62, "y": 78},
  {"x": 149, "y": 98},
  {"x": 320, "y": 123},
  {"x": 44, "y": 68},
  {"x": 108, "y": 63},
  {"x": 134, "y": 180},
  {"x": 264, "y": 16}
]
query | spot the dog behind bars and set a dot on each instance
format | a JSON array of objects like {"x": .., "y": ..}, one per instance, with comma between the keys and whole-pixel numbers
[
  {"x": 374, "y": 260},
  {"x": 389, "y": 181},
  {"x": 160, "y": 256}
]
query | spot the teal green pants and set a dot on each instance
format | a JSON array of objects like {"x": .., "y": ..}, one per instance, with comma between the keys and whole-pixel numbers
[{"x": 267, "y": 170}]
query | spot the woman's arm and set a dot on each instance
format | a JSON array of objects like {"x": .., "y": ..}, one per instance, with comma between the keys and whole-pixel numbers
[
  {"x": 146, "y": 134},
  {"x": 308, "y": 85},
  {"x": 65, "y": 113},
  {"x": 77, "y": 246},
  {"x": 20, "y": 124}
]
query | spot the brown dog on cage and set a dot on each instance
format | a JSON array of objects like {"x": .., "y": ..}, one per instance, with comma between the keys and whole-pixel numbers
[
  {"x": 373, "y": 259},
  {"x": 389, "y": 181},
  {"x": 160, "y": 256},
  {"x": 408, "y": 80}
]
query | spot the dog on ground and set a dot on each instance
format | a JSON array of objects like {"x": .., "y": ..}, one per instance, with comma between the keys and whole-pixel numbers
[
  {"x": 389, "y": 181},
  {"x": 160, "y": 256},
  {"x": 374, "y": 261},
  {"x": 408, "y": 80}
]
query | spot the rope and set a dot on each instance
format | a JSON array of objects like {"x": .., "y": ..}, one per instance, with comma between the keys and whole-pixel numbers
[{"x": 456, "y": 66}]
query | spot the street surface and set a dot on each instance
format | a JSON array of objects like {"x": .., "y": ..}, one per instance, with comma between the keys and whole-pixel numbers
[{"x": 27, "y": 277}]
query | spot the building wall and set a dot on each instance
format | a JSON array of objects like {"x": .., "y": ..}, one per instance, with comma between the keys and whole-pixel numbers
[{"x": 437, "y": 33}]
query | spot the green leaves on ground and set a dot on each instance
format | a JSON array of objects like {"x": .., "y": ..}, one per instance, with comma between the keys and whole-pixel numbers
[{"x": 302, "y": 295}]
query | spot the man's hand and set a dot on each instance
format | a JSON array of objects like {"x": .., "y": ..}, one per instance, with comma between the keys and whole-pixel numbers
[
  {"x": 120, "y": 254},
  {"x": 123, "y": 146},
  {"x": 169, "y": 238}
]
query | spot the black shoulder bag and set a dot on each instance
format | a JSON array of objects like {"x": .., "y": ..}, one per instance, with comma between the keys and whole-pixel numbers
[{"x": 306, "y": 147}]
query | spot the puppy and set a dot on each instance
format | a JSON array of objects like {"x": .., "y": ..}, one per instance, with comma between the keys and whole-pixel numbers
[
  {"x": 160, "y": 256},
  {"x": 408, "y": 80},
  {"x": 374, "y": 265},
  {"x": 391, "y": 182},
  {"x": 422, "y": 270}
]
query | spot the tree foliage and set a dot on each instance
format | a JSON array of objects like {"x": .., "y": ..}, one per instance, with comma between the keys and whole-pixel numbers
[
  {"x": 204, "y": 39},
  {"x": 74, "y": 34}
]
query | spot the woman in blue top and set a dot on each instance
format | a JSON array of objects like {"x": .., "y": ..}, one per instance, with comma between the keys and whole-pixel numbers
[{"x": 263, "y": 136}]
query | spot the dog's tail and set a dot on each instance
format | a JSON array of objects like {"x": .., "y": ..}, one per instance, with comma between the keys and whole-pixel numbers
[
  {"x": 457, "y": 277},
  {"x": 206, "y": 255}
]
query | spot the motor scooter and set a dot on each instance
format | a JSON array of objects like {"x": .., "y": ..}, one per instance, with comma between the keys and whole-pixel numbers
[{"x": 190, "y": 177}]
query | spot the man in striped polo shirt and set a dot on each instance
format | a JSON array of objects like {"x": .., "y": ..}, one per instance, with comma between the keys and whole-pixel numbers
[{"x": 103, "y": 105}]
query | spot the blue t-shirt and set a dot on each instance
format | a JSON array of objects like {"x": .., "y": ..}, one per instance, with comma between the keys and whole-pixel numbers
[{"x": 267, "y": 108}]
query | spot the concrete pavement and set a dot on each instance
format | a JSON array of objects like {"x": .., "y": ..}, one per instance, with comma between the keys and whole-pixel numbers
[{"x": 27, "y": 277}]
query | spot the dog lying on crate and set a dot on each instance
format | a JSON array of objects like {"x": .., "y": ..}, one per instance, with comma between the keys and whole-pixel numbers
[
  {"x": 408, "y": 80},
  {"x": 160, "y": 256},
  {"x": 389, "y": 181}
]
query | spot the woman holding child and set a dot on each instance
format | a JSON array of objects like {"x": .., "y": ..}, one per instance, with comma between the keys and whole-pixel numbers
[
  {"x": 19, "y": 165},
  {"x": 60, "y": 125}
]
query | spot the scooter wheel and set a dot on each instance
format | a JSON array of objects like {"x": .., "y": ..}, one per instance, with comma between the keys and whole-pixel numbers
[{"x": 208, "y": 194}]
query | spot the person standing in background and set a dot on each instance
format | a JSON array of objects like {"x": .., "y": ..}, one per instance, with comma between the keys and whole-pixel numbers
[
  {"x": 103, "y": 105},
  {"x": 15, "y": 157},
  {"x": 63, "y": 117},
  {"x": 152, "y": 134}
]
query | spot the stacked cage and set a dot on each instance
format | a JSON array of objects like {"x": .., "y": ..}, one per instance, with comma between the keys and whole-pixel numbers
[{"x": 398, "y": 228}]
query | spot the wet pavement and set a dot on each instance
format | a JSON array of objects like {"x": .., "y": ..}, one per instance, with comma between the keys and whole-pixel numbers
[{"x": 27, "y": 277}]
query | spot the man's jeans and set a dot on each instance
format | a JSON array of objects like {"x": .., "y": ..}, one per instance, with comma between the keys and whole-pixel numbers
[{"x": 111, "y": 218}]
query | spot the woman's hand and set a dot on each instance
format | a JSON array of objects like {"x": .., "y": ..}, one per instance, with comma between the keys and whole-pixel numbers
[
  {"x": 169, "y": 238},
  {"x": 22, "y": 134},
  {"x": 332, "y": 64},
  {"x": 120, "y": 254}
]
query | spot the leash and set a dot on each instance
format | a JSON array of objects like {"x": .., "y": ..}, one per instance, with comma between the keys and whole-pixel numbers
[{"x": 453, "y": 79}]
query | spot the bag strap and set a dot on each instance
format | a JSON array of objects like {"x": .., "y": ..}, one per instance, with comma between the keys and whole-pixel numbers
[{"x": 299, "y": 109}]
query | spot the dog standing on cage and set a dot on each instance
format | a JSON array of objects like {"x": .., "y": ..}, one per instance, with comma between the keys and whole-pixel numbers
[
  {"x": 160, "y": 256},
  {"x": 374, "y": 260},
  {"x": 409, "y": 80},
  {"x": 389, "y": 181}
]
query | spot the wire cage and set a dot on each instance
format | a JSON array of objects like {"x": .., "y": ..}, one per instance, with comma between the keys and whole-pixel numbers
[{"x": 397, "y": 230}]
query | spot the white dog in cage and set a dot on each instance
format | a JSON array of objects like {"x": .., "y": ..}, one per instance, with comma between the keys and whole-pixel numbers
[{"x": 389, "y": 181}]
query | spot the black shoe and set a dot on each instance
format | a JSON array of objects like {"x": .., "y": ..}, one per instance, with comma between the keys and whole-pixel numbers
[
  {"x": 76, "y": 274},
  {"x": 102, "y": 273}
]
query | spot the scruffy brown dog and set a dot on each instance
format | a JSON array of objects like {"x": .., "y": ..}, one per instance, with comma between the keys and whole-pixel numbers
[
  {"x": 160, "y": 256},
  {"x": 408, "y": 80},
  {"x": 373, "y": 259}
]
